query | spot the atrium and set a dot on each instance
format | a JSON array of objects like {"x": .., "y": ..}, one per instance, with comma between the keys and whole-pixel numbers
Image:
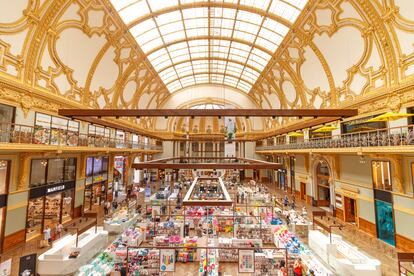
[{"x": 207, "y": 137}]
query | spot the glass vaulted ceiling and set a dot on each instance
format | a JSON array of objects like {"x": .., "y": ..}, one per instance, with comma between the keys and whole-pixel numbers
[{"x": 193, "y": 42}]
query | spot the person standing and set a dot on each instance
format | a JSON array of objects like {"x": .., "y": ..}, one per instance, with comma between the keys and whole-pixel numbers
[
  {"x": 47, "y": 235},
  {"x": 282, "y": 268},
  {"x": 298, "y": 267},
  {"x": 285, "y": 201},
  {"x": 106, "y": 211},
  {"x": 59, "y": 228}
]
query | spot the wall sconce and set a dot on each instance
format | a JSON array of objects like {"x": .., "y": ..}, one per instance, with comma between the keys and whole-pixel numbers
[{"x": 43, "y": 162}]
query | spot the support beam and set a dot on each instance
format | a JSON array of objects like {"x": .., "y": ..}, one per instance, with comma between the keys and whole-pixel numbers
[{"x": 209, "y": 112}]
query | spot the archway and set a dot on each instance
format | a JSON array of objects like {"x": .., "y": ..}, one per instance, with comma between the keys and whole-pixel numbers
[{"x": 322, "y": 179}]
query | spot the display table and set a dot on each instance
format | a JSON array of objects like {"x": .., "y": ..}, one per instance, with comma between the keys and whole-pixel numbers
[
  {"x": 114, "y": 254},
  {"x": 57, "y": 261},
  {"x": 344, "y": 257},
  {"x": 119, "y": 222}
]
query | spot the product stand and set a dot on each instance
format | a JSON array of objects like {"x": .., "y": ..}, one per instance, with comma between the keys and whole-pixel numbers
[
  {"x": 209, "y": 256},
  {"x": 405, "y": 258},
  {"x": 71, "y": 252},
  {"x": 112, "y": 258}
]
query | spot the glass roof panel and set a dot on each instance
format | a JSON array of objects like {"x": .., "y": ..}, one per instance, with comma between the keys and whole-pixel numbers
[{"x": 201, "y": 41}]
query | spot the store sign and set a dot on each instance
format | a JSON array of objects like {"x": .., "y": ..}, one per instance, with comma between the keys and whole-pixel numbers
[
  {"x": 55, "y": 189},
  {"x": 5, "y": 268},
  {"x": 50, "y": 189},
  {"x": 167, "y": 260},
  {"x": 246, "y": 261},
  {"x": 27, "y": 266}
]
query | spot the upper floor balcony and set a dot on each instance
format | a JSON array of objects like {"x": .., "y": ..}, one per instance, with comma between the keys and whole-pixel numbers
[
  {"x": 388, "y": 137},
  {"x": 37, "y": 135}
]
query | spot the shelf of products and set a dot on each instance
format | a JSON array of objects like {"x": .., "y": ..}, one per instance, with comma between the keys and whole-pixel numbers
[
  {"x": 113, "y": 257},
  {"x": 231, "y": 254},
  {"x": 120, "y": 221},
  {"x": 169, "y": 228},
  {"x": 144, "y": 262},
  {"x": 250, "y": 231},
  {"x": 189, "y": 253},
  {"x": 209, "y": 264},
  {"x": 267, "y": 261}
]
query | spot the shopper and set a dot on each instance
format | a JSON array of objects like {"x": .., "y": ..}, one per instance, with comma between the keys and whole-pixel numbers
[
  {"x": 114, "y": 205},
  {"x": 298, "y": 267},
  {"x": 59, "y": 228},
  {"x": 285, "y": 201},
  {"x": 47, "y": 235},
  {"x": 288, "y": 220},
  {"x": 106, "y": 211},
  {"x": 282, "y": 268},
  {"x": 311, "y": 272}
]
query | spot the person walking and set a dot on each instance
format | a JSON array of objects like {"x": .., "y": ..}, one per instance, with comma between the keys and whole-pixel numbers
[
  {"x": 106, "y": 211},
  {"x": 285, "y": 201}
]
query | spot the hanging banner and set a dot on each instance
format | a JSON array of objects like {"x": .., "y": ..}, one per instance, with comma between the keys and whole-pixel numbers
[
  {"x": 5, "y": 268},
  {"x": 246, "y": 261},
  {"x": 167, "y": 260}
]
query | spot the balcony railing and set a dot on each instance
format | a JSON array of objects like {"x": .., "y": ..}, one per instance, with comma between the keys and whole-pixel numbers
[
  {"x": 397, "y": 136},
  {"x": 22, "y": 134}
]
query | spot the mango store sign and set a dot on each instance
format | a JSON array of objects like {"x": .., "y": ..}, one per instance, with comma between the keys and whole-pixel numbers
[{"x": 55, "y": 189}]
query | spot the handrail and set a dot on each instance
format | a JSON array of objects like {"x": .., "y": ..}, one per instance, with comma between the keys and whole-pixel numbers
[
  {"x": 395, "y": 136},
  {"x": 24, "y": 134}
]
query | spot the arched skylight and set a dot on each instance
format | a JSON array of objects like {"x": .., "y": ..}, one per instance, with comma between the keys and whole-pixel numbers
[
  {"x": 207, "y": 106},
  {"x": 192, "y": 42}
]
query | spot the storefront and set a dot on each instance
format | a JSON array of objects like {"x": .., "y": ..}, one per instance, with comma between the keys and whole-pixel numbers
[
  {"x": 120, "y": 174},
  {"x": 6, "y": 120},
  {"x": 51, "y": 196},
  {"x": 55, "y": 130},
  {"x": 97, "y": 189},
  {"x": 4, "y": 183},
  {"x": 48, "y": 206},
  {"x": 323, "y": 184}
]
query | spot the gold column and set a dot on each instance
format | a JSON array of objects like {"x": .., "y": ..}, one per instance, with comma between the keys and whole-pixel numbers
[{"x": 24, "y": 171}]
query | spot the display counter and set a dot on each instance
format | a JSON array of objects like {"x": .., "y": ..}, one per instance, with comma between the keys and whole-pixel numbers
[
  {"x": 345, "y": 258},
  {"x": 65, "y": 258},
  {"x": 114, "y": 255},
  {"x": 120, "y": 221}
]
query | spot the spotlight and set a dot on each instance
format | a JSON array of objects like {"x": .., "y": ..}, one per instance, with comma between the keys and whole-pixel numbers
[
  {"x": 165, "y": 117},
  {"x": 99, "y": 117},
  {"x": 300, "y": 117},
  {"x": 116, "y": 117},
  {"x": 138, "y": 117}
]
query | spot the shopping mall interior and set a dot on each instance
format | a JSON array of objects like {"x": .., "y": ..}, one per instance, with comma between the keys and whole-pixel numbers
[{"x": 207, "y": 137}]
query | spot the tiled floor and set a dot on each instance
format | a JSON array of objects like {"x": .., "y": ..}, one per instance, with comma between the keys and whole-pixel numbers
[{"x": 374, "y": 247}]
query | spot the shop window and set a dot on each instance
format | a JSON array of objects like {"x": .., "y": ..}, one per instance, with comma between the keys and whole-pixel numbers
[
  {"x": 4, "y": 176},
  {"x": 70, "y": 169},
  {"x": 55, "y": 130},
  {"x": 67, "y": 206},
  {"x": 324, "y": 189},
  {"x": 381, "y": 175},
  {"x": 6, "y": 119},
  {"x": 105, "y": 163},
  {"x": 34, "y": 218},
  {"x": 361, "y": 124},
  {"x": 38, "y": 172},
  {"x": 55, "y": 170},
  {"x": 412, "y": 175}
]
